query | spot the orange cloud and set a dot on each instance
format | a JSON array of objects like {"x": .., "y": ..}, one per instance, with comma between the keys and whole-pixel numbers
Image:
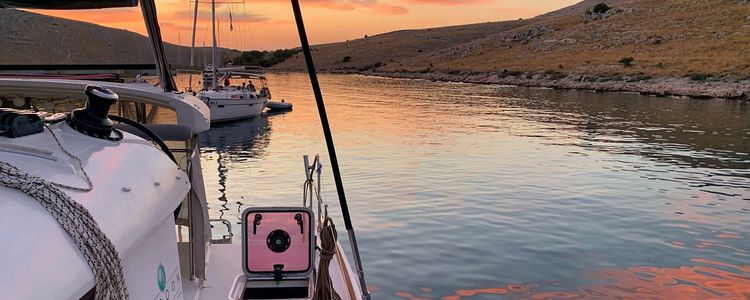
[
  {"x": 448, "y": 2},
  {"x": 268, "y": 24},
  {"x": 388, "y": 9},
  {"x": 348, "y": 5}
]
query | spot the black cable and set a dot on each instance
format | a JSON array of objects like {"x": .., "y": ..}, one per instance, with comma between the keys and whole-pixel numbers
[
  {"x": 155, "y": 138},
  {"x": 329, "y": 142},
  {"x": 323, "y": 114}
]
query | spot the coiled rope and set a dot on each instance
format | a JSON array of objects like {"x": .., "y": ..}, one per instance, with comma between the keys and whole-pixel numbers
[
  {"x": 324, "y": 286},
  {"x": 99, "y": 252}
]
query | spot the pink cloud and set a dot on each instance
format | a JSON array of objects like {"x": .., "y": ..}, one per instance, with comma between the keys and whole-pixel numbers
[
  {"x": 448, "y": 2},
  {"x": 388, "y": 9},
  {"x": 347, "y": 5}
]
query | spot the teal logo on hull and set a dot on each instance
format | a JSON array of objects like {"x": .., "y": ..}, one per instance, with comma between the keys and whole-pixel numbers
[{"x": 161, "y": 278}]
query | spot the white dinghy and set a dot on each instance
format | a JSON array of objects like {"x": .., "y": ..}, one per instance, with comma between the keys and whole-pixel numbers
[
  {"x": 111, "y": 206},
  {"x": 279, "y": 105}
]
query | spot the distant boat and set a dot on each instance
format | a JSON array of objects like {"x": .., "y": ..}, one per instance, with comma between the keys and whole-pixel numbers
[
  {"x": 233, "y": 102},
  {"x": 279, "y": 106},
  {"x": 229, "y": 103}
]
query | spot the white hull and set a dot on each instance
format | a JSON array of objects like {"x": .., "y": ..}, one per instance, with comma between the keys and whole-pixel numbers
[
  {"x": 235, "y": 109},
  {"x": 233, "y": 103},
  {"x": 137, "y": 219}
]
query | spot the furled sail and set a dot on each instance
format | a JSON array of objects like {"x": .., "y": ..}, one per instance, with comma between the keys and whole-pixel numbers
[{"x": 62, "y": 4}]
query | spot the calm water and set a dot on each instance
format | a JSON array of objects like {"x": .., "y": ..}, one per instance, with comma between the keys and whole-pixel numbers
[{"x": 463, "y": 191}]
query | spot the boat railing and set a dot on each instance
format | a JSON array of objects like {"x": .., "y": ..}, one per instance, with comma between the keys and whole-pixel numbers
[
  {"x": 312, "y": 188},
  {"x": 225, "y": 238}
]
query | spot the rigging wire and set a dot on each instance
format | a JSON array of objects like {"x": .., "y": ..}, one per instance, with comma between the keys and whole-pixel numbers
[
  {"x": 248, "y": 19},
  {"x": 218, "y": 42},
  {"x": 243, "y": 30},
  {"x": 205, "y": 37}
]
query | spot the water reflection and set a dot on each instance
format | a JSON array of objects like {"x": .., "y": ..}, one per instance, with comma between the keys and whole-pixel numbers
[
  {"x": 223, "y": 148},
  {"x": 709, "y": 279},
  {"x": 462, "y": 190},
  {"x": 684, "y": 132},
  {"x": 706, "y": 279}
]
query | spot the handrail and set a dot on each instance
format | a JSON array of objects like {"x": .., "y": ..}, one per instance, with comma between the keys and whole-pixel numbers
[{"x": 314, "y": 192}]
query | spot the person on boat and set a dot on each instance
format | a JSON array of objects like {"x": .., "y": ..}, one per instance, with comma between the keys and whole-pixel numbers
[
  {"x": 250, "y": 85},
  {"x": 226, "y": 82},
  {"x": 243, "y": 86},
  {"x": 264, "y": 91}
]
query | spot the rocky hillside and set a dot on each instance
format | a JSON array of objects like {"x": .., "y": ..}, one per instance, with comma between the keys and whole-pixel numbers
[
  {"x": 30, "y": 38},
  {"x": 395, "y": 46},
  {"x": 636, "y": 38}
]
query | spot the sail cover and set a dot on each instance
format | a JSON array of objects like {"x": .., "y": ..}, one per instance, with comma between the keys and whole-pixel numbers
[{"x": 63, "y": 4}]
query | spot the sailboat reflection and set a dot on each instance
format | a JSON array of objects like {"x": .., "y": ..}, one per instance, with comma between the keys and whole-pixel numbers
[{"x": 230, "y": 144}]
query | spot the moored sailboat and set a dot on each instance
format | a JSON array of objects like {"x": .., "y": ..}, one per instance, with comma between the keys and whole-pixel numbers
[{"x": 229, "y": 102}]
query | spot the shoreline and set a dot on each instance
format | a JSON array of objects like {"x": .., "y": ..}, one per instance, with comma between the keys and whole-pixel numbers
[
  {"x": 658, "y": 86},
  {"x": 701, "y": 88}
]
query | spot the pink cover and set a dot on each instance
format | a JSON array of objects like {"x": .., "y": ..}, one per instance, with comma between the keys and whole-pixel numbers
[{"x": 261, "y": 259}]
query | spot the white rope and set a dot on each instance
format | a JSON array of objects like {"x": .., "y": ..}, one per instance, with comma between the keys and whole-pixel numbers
[
  {"x": 77, "y": 160},
  {"x": 99, "y": 252}
]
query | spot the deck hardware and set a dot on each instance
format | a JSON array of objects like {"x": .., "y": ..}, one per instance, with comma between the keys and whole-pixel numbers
[
  {"x": 278, "y": 241},
  {"x": 298, "y": 217},
  {"x": 278, "y": 272},
  {"x": 92, "y": 119},
  {"x": 256, "y": 222}
]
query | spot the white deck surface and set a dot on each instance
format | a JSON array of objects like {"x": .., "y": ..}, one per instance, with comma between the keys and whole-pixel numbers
[{"x": 225, "y": 263}]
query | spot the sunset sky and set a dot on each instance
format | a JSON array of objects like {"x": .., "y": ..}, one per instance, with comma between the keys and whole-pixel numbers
[{"x": 269, "y": 24}]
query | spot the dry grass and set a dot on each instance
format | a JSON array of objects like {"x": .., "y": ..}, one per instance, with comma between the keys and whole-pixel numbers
[
  {"x": 665, "y": 38},
  {"x": 395, "y": 46}
]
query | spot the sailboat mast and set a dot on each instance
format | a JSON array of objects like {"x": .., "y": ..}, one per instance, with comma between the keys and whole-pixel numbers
[
  {"x": 192, "y": 45},
  {"x": 213, "y": 51}
]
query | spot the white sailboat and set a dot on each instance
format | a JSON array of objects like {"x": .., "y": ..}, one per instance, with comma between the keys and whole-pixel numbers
[
  {"x": 96, "y": 210},
  {"x": 227, "y": 102}
]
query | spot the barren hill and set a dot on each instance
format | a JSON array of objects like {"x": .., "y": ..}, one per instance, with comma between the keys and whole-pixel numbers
[
  {"x": 395, "y": 46},
  {"x": 30, "y": 38},
  {"x": 664, "y": 38}
]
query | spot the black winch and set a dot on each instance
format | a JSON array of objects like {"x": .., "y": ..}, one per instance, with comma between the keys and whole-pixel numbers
[{"x": 92, "y": 119}]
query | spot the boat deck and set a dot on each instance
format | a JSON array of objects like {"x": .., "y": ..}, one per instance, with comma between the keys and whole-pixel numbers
[{"x": 225, "y": 263}]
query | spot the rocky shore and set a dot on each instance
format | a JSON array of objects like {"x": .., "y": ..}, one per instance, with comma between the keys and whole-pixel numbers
[{"x": 694, "y": 87}]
